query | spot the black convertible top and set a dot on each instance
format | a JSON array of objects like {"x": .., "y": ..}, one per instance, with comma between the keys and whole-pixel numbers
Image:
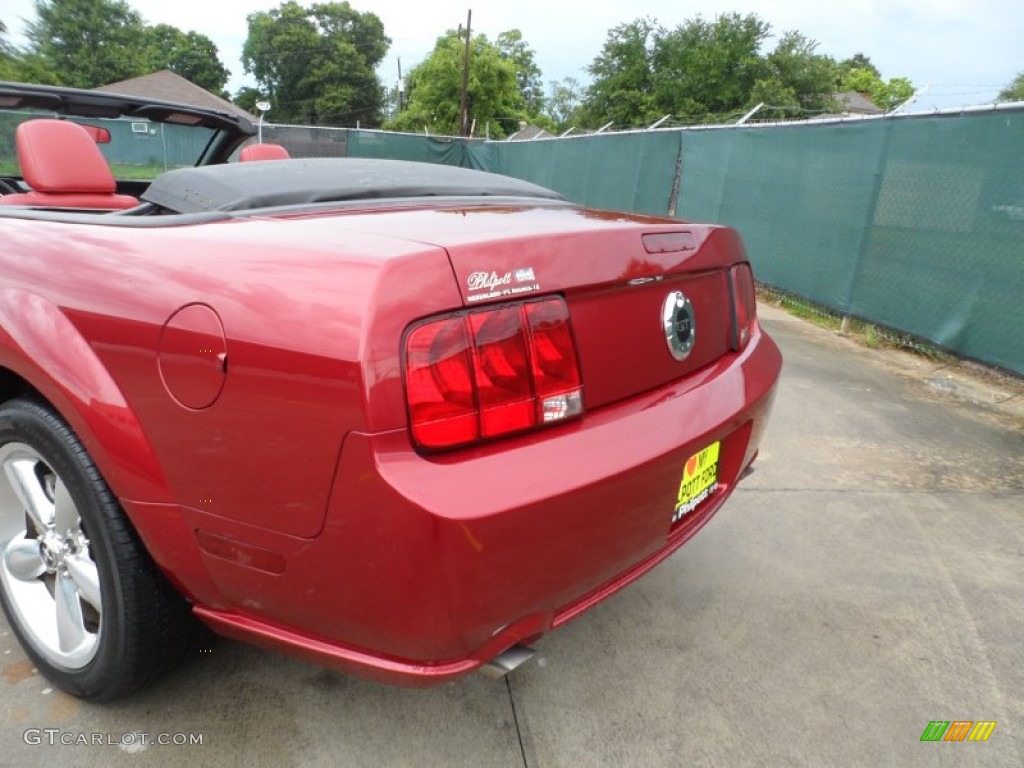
[
  {"x": 75, "y": 101},
  {"x": 273, "y": 183}
]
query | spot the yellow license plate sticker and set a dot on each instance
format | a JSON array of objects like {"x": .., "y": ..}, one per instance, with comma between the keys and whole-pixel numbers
[{"x": 700, "y": 480}]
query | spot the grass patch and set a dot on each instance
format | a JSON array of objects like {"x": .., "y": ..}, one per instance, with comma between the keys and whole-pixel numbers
[
  {"x": 805, "y": 311},
  {"x": 122, "y": 171},
  {"x": 871, "y": 337},
  {"x": 133, "y": 172},
  {"x": 865, "y": 333}
]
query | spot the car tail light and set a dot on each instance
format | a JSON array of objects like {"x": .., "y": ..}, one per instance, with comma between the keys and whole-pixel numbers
[
  {"x": 478, "y": 375},
  {"x": 744, "y": 303}
]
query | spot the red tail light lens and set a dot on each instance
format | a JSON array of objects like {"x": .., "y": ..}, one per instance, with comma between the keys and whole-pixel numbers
[
  {"x": 439, "y": 382},
  {"x": 502, "y": 371},
  {"x": 479, "y": 375},
  {"x": 556, "y": 373},
  {"x": 744, "y": 303}
]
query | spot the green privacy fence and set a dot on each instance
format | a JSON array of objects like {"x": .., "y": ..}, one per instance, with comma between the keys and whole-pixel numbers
[
  {"x": 916, "y": 222},
  {"x": 137, "y": 148},
  {"x": 622, "y": 171},
  {"x": 609, "y": 171}
]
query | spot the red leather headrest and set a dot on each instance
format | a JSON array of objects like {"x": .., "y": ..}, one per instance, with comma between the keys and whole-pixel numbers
[
  {"x": 58, "y": 156},
  {"x": 263, "y": 152}
]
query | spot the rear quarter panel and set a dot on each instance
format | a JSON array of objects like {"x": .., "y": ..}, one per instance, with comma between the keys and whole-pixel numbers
[{"x": 292, "y": 301}]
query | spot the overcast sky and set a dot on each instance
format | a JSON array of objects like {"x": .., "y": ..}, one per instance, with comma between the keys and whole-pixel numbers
[{"x": 965, "y": 51}]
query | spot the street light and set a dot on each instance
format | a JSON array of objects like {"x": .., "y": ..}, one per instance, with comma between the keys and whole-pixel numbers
[{"x": 262, "y": 106}]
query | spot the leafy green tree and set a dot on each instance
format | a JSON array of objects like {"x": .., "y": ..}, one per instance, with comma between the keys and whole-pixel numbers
[
  {"x": 886, "y": 94},
  {"x": 189, "y": 54},
  {"x": 514, "y": 48},
  {"x": 704, "y": 68},
  {"x": 623, "y": 87},
  {"x": 857, "y": 61},
  {"x": 87, "y": 43},
  {"x": 434, "y": 90},
  {"x": 563, "y": 102},
  {"x": 20, "y": 66},
  {"x": 704, "y": 71},
  {"x": 1014, "y": 91},
  {"x": 780, "y": 100},
  {"x": 246, "y": 98},
  {"x": 895, "y": 91},
  {"x": 25, "y": 67},
  {"x": 316, "y": 64},
  {"x": 796, "y": 78},
  {"x": 6, "y": 55}
]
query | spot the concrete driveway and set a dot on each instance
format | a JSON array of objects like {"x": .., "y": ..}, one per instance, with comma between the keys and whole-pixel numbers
[{"x": 867, "y": 580}]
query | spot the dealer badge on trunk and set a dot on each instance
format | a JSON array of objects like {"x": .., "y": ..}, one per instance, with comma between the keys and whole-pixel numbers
[{"x": 677, "y": 320}]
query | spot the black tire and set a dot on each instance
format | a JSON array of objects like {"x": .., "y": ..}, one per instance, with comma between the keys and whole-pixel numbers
[{"x": 141, "y": 626}]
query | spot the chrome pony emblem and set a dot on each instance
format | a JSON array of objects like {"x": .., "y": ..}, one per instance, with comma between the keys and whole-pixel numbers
[{"x": 677, "y": 320}]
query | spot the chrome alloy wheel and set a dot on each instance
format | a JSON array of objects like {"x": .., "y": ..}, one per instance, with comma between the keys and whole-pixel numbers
[{"x": 47, "y": 572}]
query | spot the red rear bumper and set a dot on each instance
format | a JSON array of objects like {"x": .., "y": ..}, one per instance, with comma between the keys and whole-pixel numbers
[{"x": 428, "y": 567}]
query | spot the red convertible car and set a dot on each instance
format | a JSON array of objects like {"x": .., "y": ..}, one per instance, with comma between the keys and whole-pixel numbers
[{"x": 395, "y": 418}]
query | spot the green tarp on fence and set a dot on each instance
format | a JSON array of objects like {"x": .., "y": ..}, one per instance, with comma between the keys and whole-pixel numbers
[
  {"x": 609, "y": 171},
  {"x": 916, "y": 223},
  {"x": 913, "y": 223},
  {"x": 627, "y": 172}
]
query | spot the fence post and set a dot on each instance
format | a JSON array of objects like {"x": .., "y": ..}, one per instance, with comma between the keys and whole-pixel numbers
[{"x": 677, "y": 181}]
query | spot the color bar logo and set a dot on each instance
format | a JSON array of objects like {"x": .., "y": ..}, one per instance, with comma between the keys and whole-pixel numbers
[{"x": 958, "y": 730}]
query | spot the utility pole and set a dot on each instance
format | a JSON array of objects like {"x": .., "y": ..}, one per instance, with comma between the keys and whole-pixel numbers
[
  {"x": 464, "y": 109},
  {"x": 401, "y": 86}
]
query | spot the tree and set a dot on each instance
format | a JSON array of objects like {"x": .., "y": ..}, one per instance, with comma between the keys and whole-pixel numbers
[
  {"x": 857, "y": 61},
  {"x": 6, "y": 55},
  {"x": 189, "y": 54},
  {"x": 707, "y": 68},
  {"x": 246, "y": 98},
  {"x": 434, "y": 89},
  {"x": 87, "y": 43},
  {"x": 19, "y": 66},
  {"x": 563, "y": 103},
  {"x": 795, "y": 78},
  {"x": 514, "y": 48},
  {"x": 316, "y": 64},
  {"x": 887, "y": 95},
  {"x": 1014, "y": 91},
  {"x": 706, "y": 71},
  {"x": 622, "y": 91},
  {"x": 894, "y": 92},
  {"x": 25, "y": 67}
]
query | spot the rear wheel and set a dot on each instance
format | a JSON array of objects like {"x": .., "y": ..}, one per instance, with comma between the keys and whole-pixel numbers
[{"x": 87, "y": 602}]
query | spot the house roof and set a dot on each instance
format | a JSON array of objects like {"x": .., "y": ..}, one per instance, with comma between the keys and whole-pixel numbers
[
  {"x": 527, "y": 132},
  {"x": 168, "y": 86},
  {"x": 857, "y": 104}
]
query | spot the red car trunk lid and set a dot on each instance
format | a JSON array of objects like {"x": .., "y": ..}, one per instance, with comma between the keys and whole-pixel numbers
[{"x": 616, "y": 277}]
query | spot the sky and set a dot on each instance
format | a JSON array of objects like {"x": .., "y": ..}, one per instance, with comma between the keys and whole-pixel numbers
[{"x": 960, "y": 52}]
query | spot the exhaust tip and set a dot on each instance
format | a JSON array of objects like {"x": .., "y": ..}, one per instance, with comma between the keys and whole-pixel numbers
[{"x": 505, "y": 662}]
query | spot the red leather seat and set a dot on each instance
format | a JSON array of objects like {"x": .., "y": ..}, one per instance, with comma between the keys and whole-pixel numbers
[
  {"x": 263, "y": 152},
  {"x": 65, "y": 169}
]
